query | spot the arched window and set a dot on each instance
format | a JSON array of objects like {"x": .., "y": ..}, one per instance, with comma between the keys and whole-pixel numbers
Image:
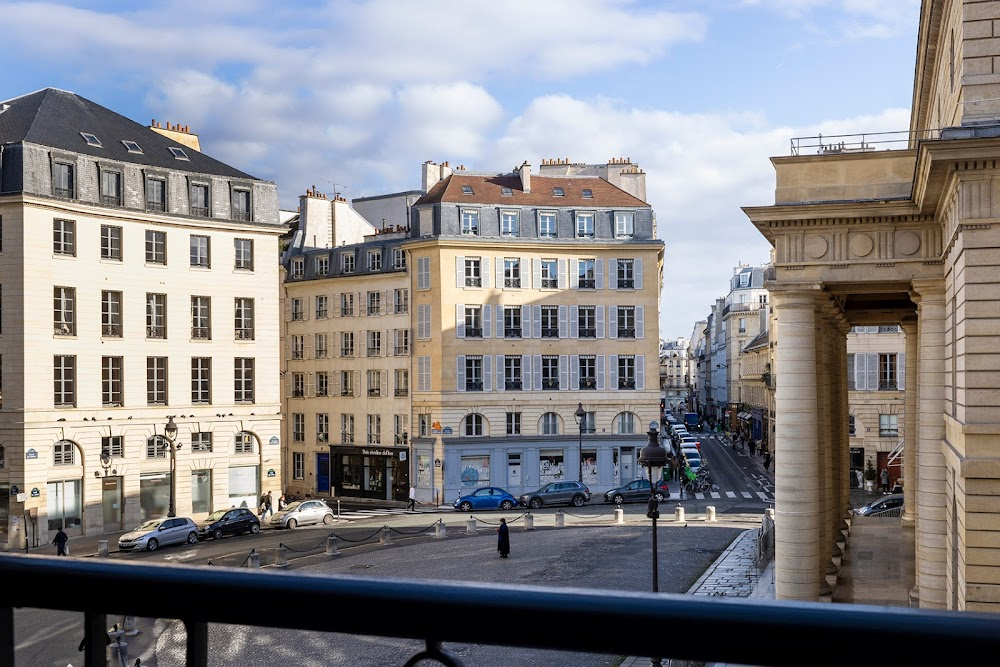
[
  {"x": 549, "y": 424},
  {"x": 473, "y": 424},
  {"x": 244, "y": 442},
  {"x": 625, "y": 423},
  {"x": 157, "y": 447},
  {"x": 63, "y": 453}
]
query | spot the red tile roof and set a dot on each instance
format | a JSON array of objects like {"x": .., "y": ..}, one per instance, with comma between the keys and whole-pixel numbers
[{"x": 487, "y": 190}]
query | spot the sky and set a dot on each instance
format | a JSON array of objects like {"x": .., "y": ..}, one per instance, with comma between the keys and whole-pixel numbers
[{"x": 352, "y": 97}]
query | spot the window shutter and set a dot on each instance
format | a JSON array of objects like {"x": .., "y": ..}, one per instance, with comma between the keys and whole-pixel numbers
[
  {"x": 336, "y": 384},
  {"x": 613, "y": 371},
  {"x": 460, "y": 271},
  {"x": 599, "y": 273},
  {"x": 612, "y": 321},
  {"x": 574, "y": 273},
  {"x": 637, "y": 267},
  {"x": 599, "y": 320},
  {"x": 562, "y": 280},
  {"x": 499, "y": 270},
  {"x": 487, "y": 373},
  {"x": 563, "y": 372},
  {"x": 525, "y": 267},
  {"x": 484, "y": 271},
  {"x": 901, "y": 371},
  {"x": 640, "y": 331},
  {"x": 563, "y": 321},
  {"x": 851, "y": 379},
  {"x": 640, "y": 371},
  {"x": 612, "y": 274},
  {"x": 574, "y": 321},
  {"x": 460, "y": 320},
  {"x": 488, "y": 321},
  {"x": 460, "y": 373},
  {"x": 389, "y": 338},
  {"x": 500, "y": 322},
  {"x": 574, "y": 371},
  {"x": 537, "y": 362},
  {"x": 536, "y": 271},
  {"x": 526, "y": 373},
  {"x": 600, "y": 372},
  {"x": 526, "y": 321},
  {"x": 872, "y": 371},
  {"x": 536, "y": 322},
  {"x": 501, "y": 384}
]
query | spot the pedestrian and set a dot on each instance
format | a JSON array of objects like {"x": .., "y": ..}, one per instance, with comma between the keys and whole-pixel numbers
[
  {"x": 413, "y": 499},
  {"x": 503, "y": 538},
  {"x": 753, "y": 448},
  {"x": 262, "y": 505},
  {"x": 767, "y": 459},
  {"x": 282, "y": 503},
  {"x": 885, "y": 480},
  {"x": 60, "y": 542},
  {"x": 267, "y": 505}
]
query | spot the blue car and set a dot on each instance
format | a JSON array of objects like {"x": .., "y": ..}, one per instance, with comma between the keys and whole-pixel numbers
[{"x": 486, "y": 498}]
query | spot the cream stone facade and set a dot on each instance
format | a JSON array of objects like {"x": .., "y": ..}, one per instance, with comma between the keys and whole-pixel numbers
[
  {"x": 139, "y": 288},
  {"x": 869, "y": 236}
]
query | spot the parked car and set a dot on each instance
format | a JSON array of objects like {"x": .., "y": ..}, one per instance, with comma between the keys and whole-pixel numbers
[
  {"x": 228, "y": 522},
  {"x": 891, "y": 505},
  {"x": 156, "y": 533},
  {"x": 303, "y": 513},
  {"x": 557, "y": 493},
  {"x": 636, "y": 491},
  {"x": 486, "y": 498},
  {"x": 693, "y": 462}
]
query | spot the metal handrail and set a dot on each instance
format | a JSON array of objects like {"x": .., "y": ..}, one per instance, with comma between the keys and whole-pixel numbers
[{"x": 860, "y": 143}]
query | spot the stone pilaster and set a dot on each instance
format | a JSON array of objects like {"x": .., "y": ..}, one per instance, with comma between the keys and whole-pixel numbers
[{"x": 910, "y": 448}]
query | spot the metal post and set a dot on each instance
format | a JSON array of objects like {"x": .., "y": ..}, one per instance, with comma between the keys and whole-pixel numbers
[{"x": 172, "y": 511}]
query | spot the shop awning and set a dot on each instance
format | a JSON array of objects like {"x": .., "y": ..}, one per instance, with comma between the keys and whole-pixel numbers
[{"x": 744, "y": 415}]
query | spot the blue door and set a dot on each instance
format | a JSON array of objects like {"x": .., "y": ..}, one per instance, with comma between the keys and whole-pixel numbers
[{"x": 323, "y": 473}]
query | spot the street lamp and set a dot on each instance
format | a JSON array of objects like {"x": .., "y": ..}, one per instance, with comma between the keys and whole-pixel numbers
[
  {"x": 170, "y": 432},
  {"x": 653, "y": 457},
  {"x": 581, "y": 417}
]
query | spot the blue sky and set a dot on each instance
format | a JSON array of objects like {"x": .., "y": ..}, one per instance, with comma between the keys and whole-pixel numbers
[{"x": 699, "y": 93}]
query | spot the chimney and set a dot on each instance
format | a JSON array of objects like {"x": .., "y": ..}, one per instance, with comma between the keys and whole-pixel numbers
[{"x": 525, "y": 177}]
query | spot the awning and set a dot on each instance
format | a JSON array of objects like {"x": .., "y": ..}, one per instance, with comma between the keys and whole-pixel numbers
[{"x": 743, "y": 415}]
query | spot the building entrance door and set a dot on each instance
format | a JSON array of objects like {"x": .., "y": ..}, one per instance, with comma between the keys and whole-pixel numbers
[{"x": 111, "y": 502}]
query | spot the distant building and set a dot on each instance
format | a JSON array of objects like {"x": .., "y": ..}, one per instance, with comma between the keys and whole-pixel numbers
[{"x": 675, "y": 374}]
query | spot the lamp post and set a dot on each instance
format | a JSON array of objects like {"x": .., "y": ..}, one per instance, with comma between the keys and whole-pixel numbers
[
  {"x": 170, "y": 432},
  {"x": 653, "y": 457},
  {"x": 581, "y": 416}
]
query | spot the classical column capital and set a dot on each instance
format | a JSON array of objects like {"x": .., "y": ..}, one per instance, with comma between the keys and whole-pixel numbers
[{"x": 926, "y": 289}]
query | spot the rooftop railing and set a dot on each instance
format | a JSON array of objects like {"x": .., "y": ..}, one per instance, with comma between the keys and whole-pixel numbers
[{"x": 860, "y": 143}]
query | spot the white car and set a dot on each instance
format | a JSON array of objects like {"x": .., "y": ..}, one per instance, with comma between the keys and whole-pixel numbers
[
  {"x": 156, "y": 533},
  {"x": 303, "y": 513}
]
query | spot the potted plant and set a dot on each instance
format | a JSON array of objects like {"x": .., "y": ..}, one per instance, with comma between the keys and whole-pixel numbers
[{"x": 869, "y": 476}]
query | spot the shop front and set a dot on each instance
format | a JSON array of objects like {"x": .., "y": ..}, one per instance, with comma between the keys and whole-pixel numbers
[{"x": 370, "y": 472}]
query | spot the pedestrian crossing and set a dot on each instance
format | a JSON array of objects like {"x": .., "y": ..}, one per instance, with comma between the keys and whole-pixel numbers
[
  {"x": 357, "y": 514},
  {"x": 763, "y": 496}
]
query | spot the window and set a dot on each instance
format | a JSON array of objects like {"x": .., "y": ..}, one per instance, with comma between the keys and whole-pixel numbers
[
  {"x": 64, "y": 179},
  {"x": 472, "y": 425},
  {"x": 298, "y": 427},
  {"x": 550, "y": 371},
  {"x": 402, "y": 347},
  {"x": 850, "y": 426},
  {"x": 199, "y": 200},
  {"x": 298, "y": 347},
  {"x": 243, "y": 443},
  {"x": 201, "y": 317},
  {"x": 319, "y": 345},
  {"x": 470, "y": 222},
  {"x": 512, "y": 372},
  {"x": 347, "y": 262},
  {"x": 298, "y": 268},
  {"x": 743, "y": 325},
  {"x": 64, "y": 237},
  {"x": 298, "y": 310},
  {"x": 398, "y": 258},
  {"x": 322, "y": 427},
  {"x": 62, "y": 453},
  {"x": 322, "y": 306},
  {"x": 511, "y": 272},
  {"x": 401, "y": 301},
  {"x": 402, "y": 380},
  {"x": 113, "y": 445},
  {"x": 347, "y": 383},
  {"x": 626, "y": 273},
  {"x": 321, "y": 265},
  {"x": 587, "y": 322},
  {"x": 347, "y": 429},
  {"x": 550, "y": 321},
  {"x": 111, "y": 187},
  {"x": 509, "y": 223},
  {"x": 298, "y": 465},
  {"x": 178, "y": 153},
  {"x": 374, "y": 303},
  {"x": 201, "y": 251},
  {"x": 201, "y": 441},
  {"x": 322, "y": 384},
  {"x": 375, "y": 260},
  {"x": 550, "y": 424},
  {"x": 467, "y": 190},
  {"x": 111, "y": 314},
  {"x": 550, "y": 274},
  {"x": 888, "y": 426},
  {"x": 374, "y": 384},
  {"x": 512, "y": 321},
  {"x": 585, "y": 225},
  {"x": 244, "y": 378},
  {"x": 374, "y": 343},
  {"x": 156, "y": 315},
  {"x": 156, "y": 380},
  {"x": 626, "y": 371},
  {"x": 243, "y": 323},
  {"x": 506, "y": 191},
  {"x": 423, "y": 273},
  {"x": 111, "y": 381},
  {"x": 558, "y": 192},
  {"x": 588, "y": 423},
  {"x": 624, "y": 423},
  {"x": 374, "y": 429},
  {"x": 473, "y": 272},
  {"x": 241, "y": 204},
  {"x": 347, "y": 344},
  {"x": 64, "y": 311},
  {"x": 243, "y": 251},
  {"x": 156, "y": 195},
  {"x": 347, "y": 304},
  {"x": 111, "y": 242},
  {"x": 587, "y": 193},
  {"x": 587, "y": 277},
  {"x": 157, "y": 447},
  {"x": 298, "y": 385},
  {"x": 473, "y": 321},
  {"x": 887, "y": 372},
  {"x": 513, "y": 423},
  {"x": 64, "y": 376},
  {"x": 156, "y": 247},
  {"x": 201, "y": 380},
  {"x": 626, "y": 321},
  {"x": 588, "y": 372},
  {"x": 547, "y": 224},
  {"x": 624, "y": 224},
  {"x": 473, "y": 373}
]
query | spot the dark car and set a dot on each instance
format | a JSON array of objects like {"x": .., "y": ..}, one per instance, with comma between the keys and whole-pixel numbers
[
  {"x": 486, "y": 498},
  {"x": 228, "y": 522},
  {"x": 636, "y": 491},
  {"x": 886, "y": 506},
  {"x": 557, "y": 493}
]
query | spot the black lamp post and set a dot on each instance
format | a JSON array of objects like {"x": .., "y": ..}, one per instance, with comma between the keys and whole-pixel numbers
[
  {"x": 581, "y": 417},
  {"x": 653, "y": 457},
  {"x": 170, "y": 432}
]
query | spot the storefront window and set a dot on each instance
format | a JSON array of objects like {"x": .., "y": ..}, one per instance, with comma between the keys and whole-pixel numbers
[
  {"x": 423, "y": 470},
  {"x": 588, "y": 467},
  {"x": 550, "y": 465},
  {"x": 475, "y": 471},
  {"x": 154, "y": 495},
  {"x": 201, "y": 491},
  {"x": 352, "y": 469},
  {"x": 244, "y": 490},
  {"x": 65, "y": 504}
]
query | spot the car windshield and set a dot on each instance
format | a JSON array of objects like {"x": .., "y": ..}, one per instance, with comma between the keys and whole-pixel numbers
[
  {"x": 216, "y": 515},
  {"x": 291, "y": 507},
  {"x": 152, "y": 524}
]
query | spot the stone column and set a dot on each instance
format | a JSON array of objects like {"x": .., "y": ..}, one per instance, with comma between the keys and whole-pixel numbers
[
  {"x": 931, "y": 499},
  {"x": 910, "y": 448},
  {"x": 798, "y": 505},
  {"x": 824, "y": 430}
]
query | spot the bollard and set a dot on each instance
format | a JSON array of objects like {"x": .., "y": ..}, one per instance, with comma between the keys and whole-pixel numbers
[
  {"x": 118, "y": 648},
  {"x": 281, "y": 559},
  {"x": 710, "y": 513},
  {"x": 386, "y": 538},
  {"x": 331, "y": 546},
  {"x": 102, "y": 548},
  {"x": 769, "y": 513},
  {"x": 439, "y": 529},
  {"x": 560, "y": 520},
  {"x": 128, "y": 626},
  {"x": 679, "y": 513},
  {"x": 619, "y": 515},
  {"x": 529, "y": 522},
  {"x": 470, "y": 528},
  {"x": 254, "y": 561}
]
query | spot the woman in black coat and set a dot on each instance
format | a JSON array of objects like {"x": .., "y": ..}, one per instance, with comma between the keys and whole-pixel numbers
[{"x": 503, "y": 539}]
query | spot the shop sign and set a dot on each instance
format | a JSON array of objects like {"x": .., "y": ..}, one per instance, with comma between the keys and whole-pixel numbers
[{"x": 376, "y": 452}]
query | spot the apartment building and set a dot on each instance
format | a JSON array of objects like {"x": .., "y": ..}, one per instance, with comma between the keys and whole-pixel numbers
[
  {"x": 744, "y": 317},
  {"x": 146, "y": 383},
  {"x": 535, "y": 304},
  {"x": 675, "y": 374}
]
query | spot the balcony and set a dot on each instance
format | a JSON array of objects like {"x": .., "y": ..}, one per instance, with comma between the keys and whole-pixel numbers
[
  {"x": 401, "y": 350},
  {"x": 472, "y": 385},
  {"x": 550, "y": 283},
  {"x": 512, "y": 332},
  {"x": 156, "y": 332},
  {"x": 321, "y": 313},
  {"x": 347, "y": 312},
  {"x": 202, "y": 333},
  {"x": 473, "y": 332},
  {"x": 347, "y": 392},
  {"x": 244, "y": 334},
  {"x": 111, "y": 330},
  {"x": 374, "y": 352},
  {"x": 374, "y": 393},
  {"x": 626, "y": 383},
  {"x": 401, "y": 392},
  {"x": 550, "y": 332},
  {"x": 473, "y": 281},
  {"x": 374, "y": 310},
  {"x": 401, "y": 309},
  {"x": 588, "y": 383},
  {"x": 549, "y": 384},
  {"x": 588, "y": 333},
  {"x": 347, "y": 352},
  {"x": 588, "y": 284},
  {"x": 626, "y": 283},
  {"x": 626, "y": 332},
  {"x": 511, "y": 282},
  {"x": 512, "y": 385}
]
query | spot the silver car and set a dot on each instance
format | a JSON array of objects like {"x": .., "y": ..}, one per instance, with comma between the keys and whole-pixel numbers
[
  {"x": 157, "y": 533},
  {"x": 303, "y": 513}
]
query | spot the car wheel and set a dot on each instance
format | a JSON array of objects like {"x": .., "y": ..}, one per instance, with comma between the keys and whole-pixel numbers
[
  {"x": 659, "y": 496},
  {"x": 507, "y": 505},
  {"x": 152, "y": 545},
  {"x": 328, "y": 519},
  {"x": 254, "y": 528},
  {"x": 618, "y": 499},
  {"x": 217, "y": 534},
  {"x": 465, "y": 506},
  {"x": 535, "y": 503},
  {"x": 578, "y": 501},
  {"x": 292, "y": 523},
  {"x": 192, "y": 538}
]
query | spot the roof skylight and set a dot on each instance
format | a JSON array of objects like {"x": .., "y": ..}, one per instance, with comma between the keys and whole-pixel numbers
[
  {"x": 91, "y": 140},
  {"x": 178, "y": 153},
  {"x": 132, "y": 146},
  {"x": 588, "y": 193},
  {"x": 467, "y": 190},
  {"x": 505, "y": 191},
  {"x": 558, "y": 192}
]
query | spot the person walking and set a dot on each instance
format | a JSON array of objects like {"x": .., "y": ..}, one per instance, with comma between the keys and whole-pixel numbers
[
  {"x": 268, "y": 511},
  {"x": 503, "y": 538},
  {"x": 412, "y": 506},
  {"x": 885, "y": 480},
  {"x": 282, "y": 503},
  {"x": 60, "y": 542}
]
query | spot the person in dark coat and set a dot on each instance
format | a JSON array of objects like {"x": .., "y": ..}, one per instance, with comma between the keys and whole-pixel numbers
[
  {"x": 503, "y": 539},
  {"x": 60, "y": 542}
]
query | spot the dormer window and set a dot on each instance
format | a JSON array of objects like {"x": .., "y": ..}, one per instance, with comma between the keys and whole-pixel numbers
[
  {"x": 132, "y": 147},
  {"x": 91, "y": 140},
  {"x": 558, "y": 192},
  {"x": 506, "y": 192},
  {"x": 178, "y": 153},
  {"x": 467, "y": 190},
  {"x": 588, "y": 193}
]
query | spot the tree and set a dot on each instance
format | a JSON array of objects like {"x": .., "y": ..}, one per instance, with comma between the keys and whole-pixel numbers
[{"x": 869, "y": 470}]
